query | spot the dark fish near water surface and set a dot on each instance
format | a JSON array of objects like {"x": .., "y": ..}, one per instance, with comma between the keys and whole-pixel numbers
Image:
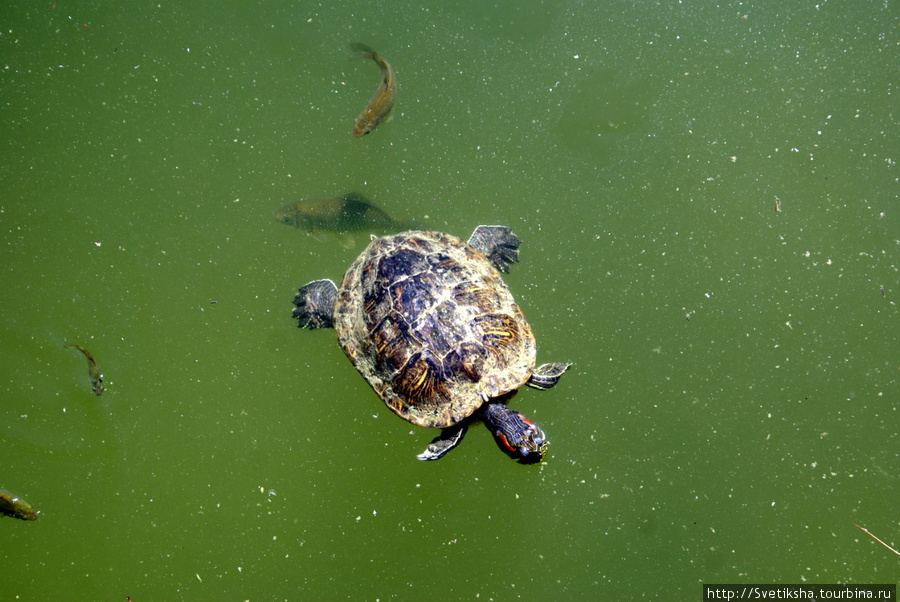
[
  {"x": 93, "y": 369},
  {"x": 16, "y": 507},
  {"x": 339, "y": 216},
  {"x": 383, "y": 100}
]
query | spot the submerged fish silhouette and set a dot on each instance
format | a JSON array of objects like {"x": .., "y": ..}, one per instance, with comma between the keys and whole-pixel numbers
[
  {"x": 14, "y": 506},
  {"x": 339, "y": 216},
  {"x": 383, "y": 100},
  {"x": 93, "y": 369}
]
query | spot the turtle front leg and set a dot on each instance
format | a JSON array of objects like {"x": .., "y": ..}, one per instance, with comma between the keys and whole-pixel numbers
[
  {"x": 315, "y": 304},
  {"x": 498, "y": 244},
  {"x": 547, "y": 375},
  {"x": 449, "y": 438}
]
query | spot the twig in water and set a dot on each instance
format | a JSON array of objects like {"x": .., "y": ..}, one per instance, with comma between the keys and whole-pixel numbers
[{"x": 869, "y": 533}]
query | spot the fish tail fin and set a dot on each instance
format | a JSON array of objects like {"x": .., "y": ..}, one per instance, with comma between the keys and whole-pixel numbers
[{"x": 361, "y": 51}]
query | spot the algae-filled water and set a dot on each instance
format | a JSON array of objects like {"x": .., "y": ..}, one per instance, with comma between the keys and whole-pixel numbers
[{"x": 732, "y": 410}]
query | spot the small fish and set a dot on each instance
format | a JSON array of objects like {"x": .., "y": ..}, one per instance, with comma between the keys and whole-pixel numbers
[
  {"x": 777, "y": 205},
  {"x": 16, "y": 507},
  {"x": 339, "y": 216},
  {"x": 93, "y": 369},
  {"x": 383, "y": 100}
]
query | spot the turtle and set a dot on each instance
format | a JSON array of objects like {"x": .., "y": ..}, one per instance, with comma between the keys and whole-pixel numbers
[{"x": 428, "y": 321}]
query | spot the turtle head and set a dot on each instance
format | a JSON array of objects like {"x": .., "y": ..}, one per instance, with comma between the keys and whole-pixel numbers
[{"x": 517, "y": 436}]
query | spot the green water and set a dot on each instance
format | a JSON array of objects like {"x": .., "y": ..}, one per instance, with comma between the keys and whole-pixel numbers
[{"x": 732, "y": 410}]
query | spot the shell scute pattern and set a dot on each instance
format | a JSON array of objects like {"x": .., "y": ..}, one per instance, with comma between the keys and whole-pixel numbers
[
  {"x": 476, "y": 298},
  {"x": 414, "y": 296},
  {"x": 393, "y": 343},
  {"x": 430, "y": 324}
]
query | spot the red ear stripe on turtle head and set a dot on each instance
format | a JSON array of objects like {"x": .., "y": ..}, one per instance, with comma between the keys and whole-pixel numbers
[{"x": 501, "y": 439}]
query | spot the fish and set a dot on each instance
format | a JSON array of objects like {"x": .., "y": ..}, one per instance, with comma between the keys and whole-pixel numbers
[
  {"x": 339, "y": 216},
  {"x": 14, "y": 506},
  {"x": 93, "y": 369},
  {"x": 383, "y": 100}
]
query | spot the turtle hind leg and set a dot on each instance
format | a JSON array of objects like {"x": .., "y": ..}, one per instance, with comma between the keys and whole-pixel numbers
[
  {"x": 449, "y": 438},
  {"x": 547, "y": 375},
  {"x": 499, "y": 245},
  {"x": 315, "y": 304}
]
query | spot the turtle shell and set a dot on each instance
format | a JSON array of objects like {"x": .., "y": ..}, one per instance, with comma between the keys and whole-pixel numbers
[{"x": 430, "y": 324}]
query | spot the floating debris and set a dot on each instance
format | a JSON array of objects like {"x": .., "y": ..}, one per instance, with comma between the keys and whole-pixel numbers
[{"x": 872, "y": 535}]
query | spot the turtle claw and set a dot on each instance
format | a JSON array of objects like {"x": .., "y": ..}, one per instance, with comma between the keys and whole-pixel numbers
[
  {"x": 498, "y": 244},
  {"x": 315, "y": 304},
  {"x": 449, "y": 438},
  {"x": 432, "y": 453}
]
